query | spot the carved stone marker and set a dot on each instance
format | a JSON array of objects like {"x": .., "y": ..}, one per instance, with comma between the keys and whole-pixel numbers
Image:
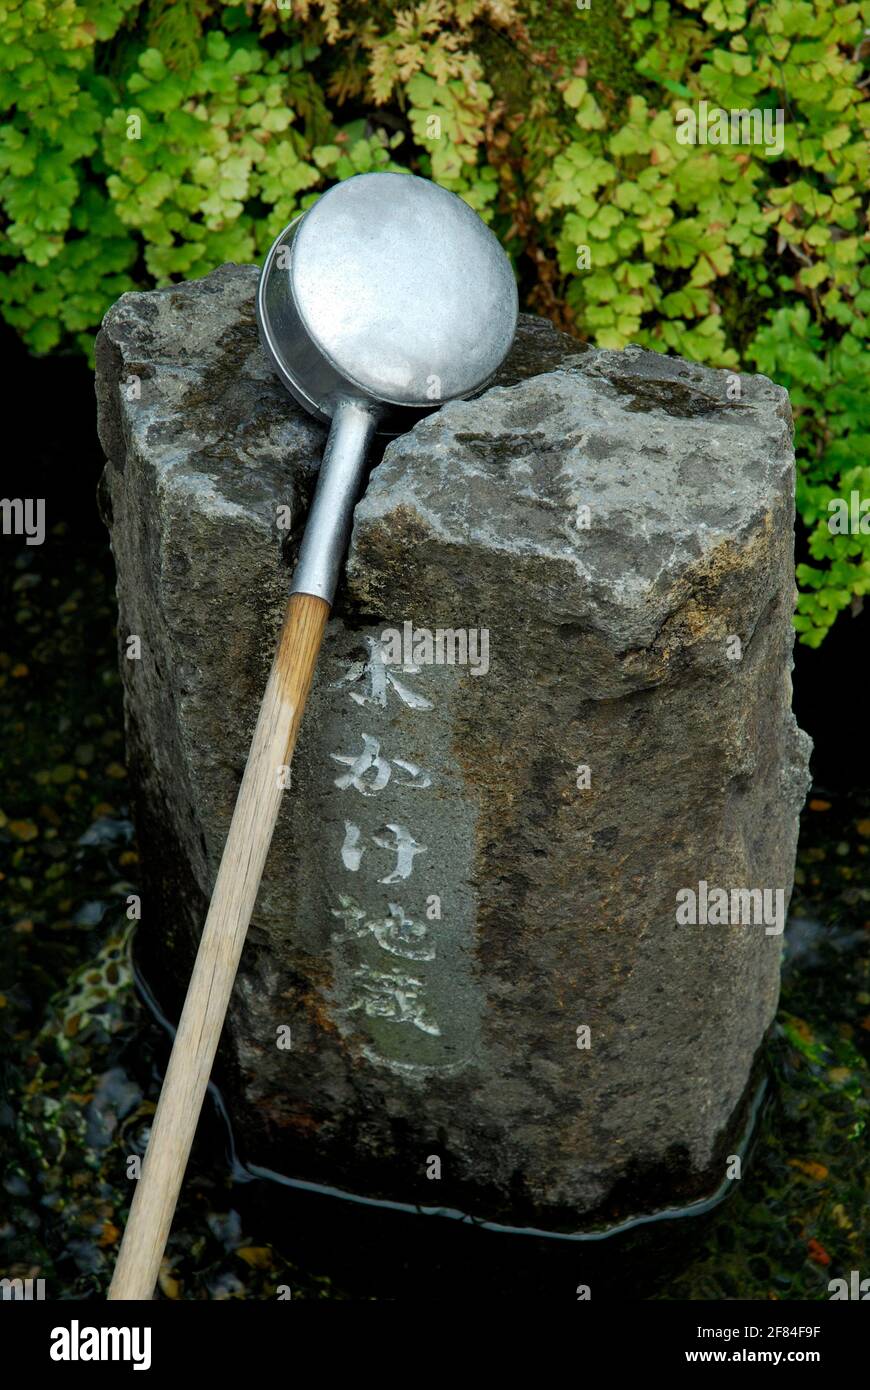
[{"x": 523, "y": 908}]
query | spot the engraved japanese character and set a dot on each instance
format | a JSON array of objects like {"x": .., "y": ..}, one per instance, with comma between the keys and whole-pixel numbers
[
  {"x": 378, "y": 679},
  {"x": 370, "y": 760},
  {"x": 391, "y": 995}
]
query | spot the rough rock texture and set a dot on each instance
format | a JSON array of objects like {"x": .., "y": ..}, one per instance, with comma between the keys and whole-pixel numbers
[{"x": 611, "y": 646}]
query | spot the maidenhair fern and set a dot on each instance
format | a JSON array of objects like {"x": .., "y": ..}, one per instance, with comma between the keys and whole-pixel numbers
[{"x": 144, "y": 143}]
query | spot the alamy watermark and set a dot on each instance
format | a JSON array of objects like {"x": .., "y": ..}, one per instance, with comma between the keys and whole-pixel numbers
[
  {"x": 77, "y": 1343},
  {"x": 24, "y": 516},
  {"x": 446, "y": 646},
  {"x": 849, "y": 518},
  {"x": 856, "y": 1288},
  {"x": 735, "y": 906},
  {"x": 24, "y": 1290},
  {"x": 711, "y": 125}
]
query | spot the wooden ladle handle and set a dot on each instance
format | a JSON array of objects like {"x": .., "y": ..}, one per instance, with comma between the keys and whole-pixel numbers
[{"x": 220, "y": 949}]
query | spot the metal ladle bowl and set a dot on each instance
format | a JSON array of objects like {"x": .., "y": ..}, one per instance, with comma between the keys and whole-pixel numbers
[
  {"x": 389, "y": 290},
  {"x": 385, "y": 299}
]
